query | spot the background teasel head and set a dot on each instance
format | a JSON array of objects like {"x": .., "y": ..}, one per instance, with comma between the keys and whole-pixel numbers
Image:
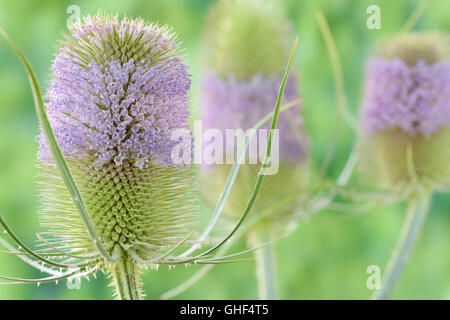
[
  {"x": 246, "y": 45},
  {"x": 406, "y": 111},
  {"x": 118, "y": 89}
]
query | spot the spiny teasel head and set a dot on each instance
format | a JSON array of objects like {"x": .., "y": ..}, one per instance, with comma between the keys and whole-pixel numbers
[
  {"x": 118, "y": 90},
  {"x": 406, "y": 110},
  {"x": 247, "y": 37},
  {"x": 247, "y": 44},
  {"x": 412, "y": 47}
]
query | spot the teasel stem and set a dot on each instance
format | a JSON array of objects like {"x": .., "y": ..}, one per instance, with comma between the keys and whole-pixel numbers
[
  {"x": 415, "y": 218},
  {"x": 125, "y": 279},
  {"x": 415, "y": 16},
  {"x": 265, "y": 265}
]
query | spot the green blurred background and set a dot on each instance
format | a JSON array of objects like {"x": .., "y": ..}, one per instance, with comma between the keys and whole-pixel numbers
[{"x": 327, "y": 256}]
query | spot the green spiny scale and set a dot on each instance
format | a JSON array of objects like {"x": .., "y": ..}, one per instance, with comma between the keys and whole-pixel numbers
[
  {"x": 431, "y": 47},
  {"x": 153, "y": 206},
  {"x": 58, "y": 214},
  {"x": 235, "y": 48},
  {"x": 430, "y": 159},
  {"x": 110, "y": 45}
]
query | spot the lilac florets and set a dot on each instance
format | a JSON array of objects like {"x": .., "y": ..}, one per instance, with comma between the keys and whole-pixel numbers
[
  {"x": 414, "y": 98},
  {"x": 232, "y": 104},
  {"x": 118, "y": 90}
]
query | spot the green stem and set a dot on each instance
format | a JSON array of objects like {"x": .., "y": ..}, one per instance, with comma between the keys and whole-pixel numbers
[
  {"x": 415, "y": 218},
  {"x": 125, "y": 274},
  {"x": 415, "y": 17},
  {"x": 265, "y": 265}
]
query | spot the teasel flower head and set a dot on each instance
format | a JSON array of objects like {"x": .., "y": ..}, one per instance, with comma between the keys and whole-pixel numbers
[
  {"x": 247, "y": 43},
  {"x": 113, "y": 197},
  {"x": 406, "y": 111},
  {"x": 118, "y": 89}
]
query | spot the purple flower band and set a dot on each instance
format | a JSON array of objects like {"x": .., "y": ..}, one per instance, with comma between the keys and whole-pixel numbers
[
  {"x": 232, "y": 104},
  {"x": 115, "y": 109},
  {"x": 415, "y": 98}
]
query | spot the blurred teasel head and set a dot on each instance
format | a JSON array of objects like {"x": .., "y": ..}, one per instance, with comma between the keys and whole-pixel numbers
[
  {"x": 118, "y": 90},
  {"x": 406, "y": 111},
  {"x": 247, "y": 43}
]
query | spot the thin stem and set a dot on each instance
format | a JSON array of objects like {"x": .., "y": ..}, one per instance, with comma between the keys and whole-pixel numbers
[
  {"x": 342, "y": 107},
  {"x": 415, "y": 218},
  {"x": 125, "y": 275},
  {"x": 415, "y": 17},
  {"x": 188, "y": 283},
  {"x": 342, "y": 180},
  {"x": 265, "y": 265}
]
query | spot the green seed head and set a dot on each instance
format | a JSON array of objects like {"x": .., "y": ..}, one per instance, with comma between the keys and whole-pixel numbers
[
  {"x": 402, "y": 160},
  {"x": 247, "y": 37},
  {"x": 410, "y": 48}
]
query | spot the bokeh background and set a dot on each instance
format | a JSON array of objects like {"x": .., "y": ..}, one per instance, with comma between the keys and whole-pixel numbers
[{"x": 327, "y": 256}]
